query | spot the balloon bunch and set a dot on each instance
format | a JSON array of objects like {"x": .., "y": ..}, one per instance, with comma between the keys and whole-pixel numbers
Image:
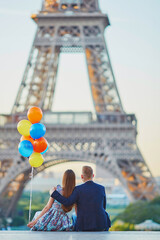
[{"x": 32, "y": 143}]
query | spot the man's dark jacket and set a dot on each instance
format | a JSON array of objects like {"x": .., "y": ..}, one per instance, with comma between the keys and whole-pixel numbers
[{"x": 91, "y": 203}]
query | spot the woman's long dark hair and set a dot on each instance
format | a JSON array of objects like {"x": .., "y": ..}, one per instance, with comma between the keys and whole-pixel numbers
[{"x": 68, "y": 184}]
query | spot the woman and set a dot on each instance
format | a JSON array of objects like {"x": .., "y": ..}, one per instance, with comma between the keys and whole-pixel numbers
[{"x": 54, "y": 216}]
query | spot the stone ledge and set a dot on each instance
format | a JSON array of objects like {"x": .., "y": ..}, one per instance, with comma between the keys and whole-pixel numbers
[{"x": 28, "y": 235}]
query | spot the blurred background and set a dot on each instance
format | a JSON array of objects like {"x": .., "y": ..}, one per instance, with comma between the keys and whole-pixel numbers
[{"x": 133, "y": 42}]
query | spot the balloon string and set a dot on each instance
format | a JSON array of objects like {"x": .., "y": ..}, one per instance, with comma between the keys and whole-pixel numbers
[{"x": 30, "y": 204}]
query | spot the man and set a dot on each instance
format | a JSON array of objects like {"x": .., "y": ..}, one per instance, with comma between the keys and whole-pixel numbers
[{"x": 90, "y": 199}]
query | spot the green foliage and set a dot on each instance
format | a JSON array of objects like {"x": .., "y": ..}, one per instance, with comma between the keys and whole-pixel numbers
[
  {"x": 39, "y": 200},
  {"x": 156, "y": 201},
  {"x": 122, "y": 227},
  {"x": 3, "y": 223},
  {"x": 114, "y": 211},
  {"x": 18, "y": 221},
  {"x": 140, "y": 211}
]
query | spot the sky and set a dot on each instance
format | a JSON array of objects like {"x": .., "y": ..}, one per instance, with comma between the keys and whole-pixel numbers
[{"x": 133, "y": 42}]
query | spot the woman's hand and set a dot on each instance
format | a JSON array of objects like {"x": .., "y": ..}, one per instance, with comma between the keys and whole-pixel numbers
[{"x": 31, "y": 224}]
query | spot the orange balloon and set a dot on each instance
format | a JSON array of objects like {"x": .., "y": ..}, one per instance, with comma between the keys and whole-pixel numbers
[
  {"x": 34, "y": 114},
  {"x": 29, "y": 138},
  {"x": 40, "y": 145}
]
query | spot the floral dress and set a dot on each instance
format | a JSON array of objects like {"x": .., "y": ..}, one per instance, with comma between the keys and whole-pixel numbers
[{"x": 53, "y": 220}]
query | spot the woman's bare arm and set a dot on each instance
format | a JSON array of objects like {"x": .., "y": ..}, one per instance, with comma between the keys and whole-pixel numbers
[{"x": 45, "y": 209}]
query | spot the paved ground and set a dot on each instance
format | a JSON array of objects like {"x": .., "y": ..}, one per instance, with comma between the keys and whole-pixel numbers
[{"x": 27, "y": 235}]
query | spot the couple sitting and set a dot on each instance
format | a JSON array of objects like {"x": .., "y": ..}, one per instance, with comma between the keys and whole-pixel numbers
[{"x": 89, "y": 200}]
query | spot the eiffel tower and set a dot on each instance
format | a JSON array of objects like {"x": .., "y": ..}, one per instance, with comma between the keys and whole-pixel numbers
[{"x": 107, "y": 138}]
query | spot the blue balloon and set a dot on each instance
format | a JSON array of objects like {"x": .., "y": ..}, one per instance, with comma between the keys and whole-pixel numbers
[
  {"x": 37, "y": 130},
  {"x": 25, "y": 148},
  {"x": 45, "y": 150}
]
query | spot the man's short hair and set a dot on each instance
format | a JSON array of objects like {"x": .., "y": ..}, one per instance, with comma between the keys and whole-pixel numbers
[{"x": 87, "y": 172}]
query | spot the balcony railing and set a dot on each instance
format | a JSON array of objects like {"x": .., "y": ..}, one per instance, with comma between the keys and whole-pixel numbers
[{"x": 74, "y": 118}]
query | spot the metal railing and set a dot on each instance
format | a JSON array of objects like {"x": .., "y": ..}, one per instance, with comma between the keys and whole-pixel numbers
[{"x": 74, "y": 118}]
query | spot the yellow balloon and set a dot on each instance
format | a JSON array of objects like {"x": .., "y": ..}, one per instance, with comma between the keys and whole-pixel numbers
[
  {"x": 23, "y": 127},
  {"x": 36, "y": 159}
]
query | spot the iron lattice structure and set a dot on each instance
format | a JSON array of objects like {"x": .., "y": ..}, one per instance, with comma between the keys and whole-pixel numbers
[{"x": 107, "y": 138}]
